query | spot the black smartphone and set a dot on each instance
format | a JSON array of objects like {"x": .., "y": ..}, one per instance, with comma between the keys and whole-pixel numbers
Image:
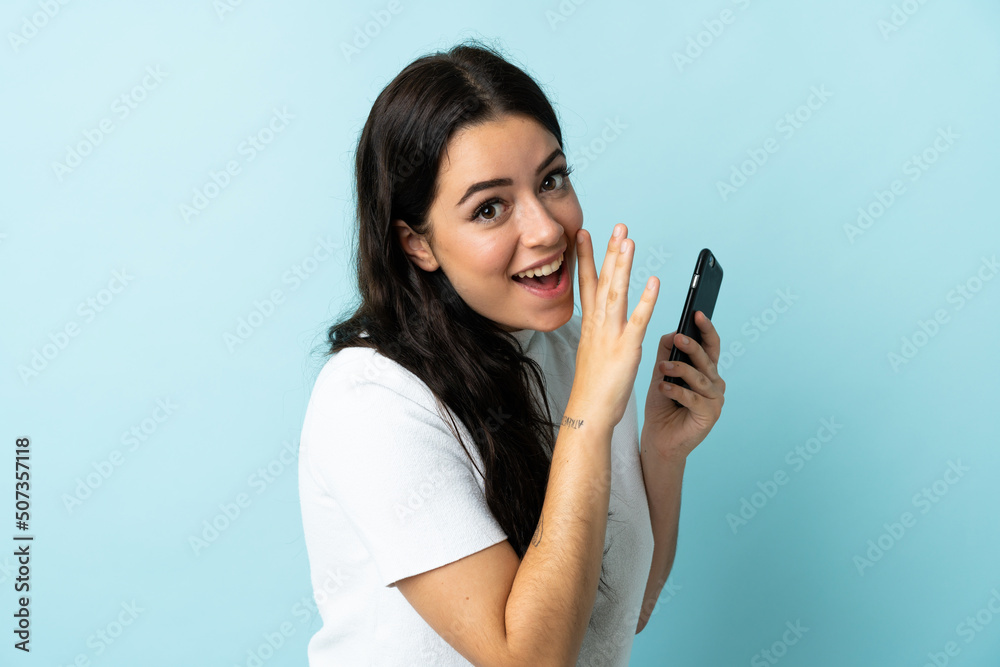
[{"x": 702, "y": 294}]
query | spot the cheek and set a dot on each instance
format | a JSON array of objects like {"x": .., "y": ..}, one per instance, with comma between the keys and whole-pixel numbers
[
  {"x": 486, "y": 260},
  {"x": 570, "y": 215}
]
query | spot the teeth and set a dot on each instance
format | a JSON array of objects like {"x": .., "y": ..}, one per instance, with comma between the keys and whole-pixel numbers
[{"x": 542, "y": 270}]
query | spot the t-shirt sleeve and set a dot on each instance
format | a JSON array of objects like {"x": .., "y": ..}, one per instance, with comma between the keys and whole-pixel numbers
[{"x": 383, "y": 452}]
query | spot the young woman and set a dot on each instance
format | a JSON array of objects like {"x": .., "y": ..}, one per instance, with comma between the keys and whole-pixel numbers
[{"x": 468, "y": 438}]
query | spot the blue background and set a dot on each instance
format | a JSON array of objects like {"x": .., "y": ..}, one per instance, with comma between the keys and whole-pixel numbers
[{"x": 683, "y": 127}]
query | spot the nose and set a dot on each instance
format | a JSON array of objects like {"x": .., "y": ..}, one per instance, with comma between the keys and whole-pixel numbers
[{"x": 539, "y": 228}]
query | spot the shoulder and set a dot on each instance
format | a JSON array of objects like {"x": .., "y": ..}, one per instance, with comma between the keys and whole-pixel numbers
[
  {"x": 362, "y": 401},
  {"x": 369, "y": 418},
  {"x": 354, "y": 373},
  {"x": 362, "y": 396}
]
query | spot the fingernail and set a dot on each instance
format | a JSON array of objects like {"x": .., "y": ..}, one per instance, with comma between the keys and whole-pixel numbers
[
  {"x": 618, "y": 231},
  {"x": 685, "y": 340},
  {"x": 624, "y": 246}
]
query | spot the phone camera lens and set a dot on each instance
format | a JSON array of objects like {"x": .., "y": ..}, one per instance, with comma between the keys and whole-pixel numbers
[{"x": 711, "y": 261}]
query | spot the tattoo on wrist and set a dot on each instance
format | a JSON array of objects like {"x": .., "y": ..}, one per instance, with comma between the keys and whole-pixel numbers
[
  {"x": 536, "y": 539},
  {"x": 572, "y": 423}
]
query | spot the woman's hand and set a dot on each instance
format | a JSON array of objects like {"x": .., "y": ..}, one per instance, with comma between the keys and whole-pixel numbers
[
  {"x": 674, "y": 431},
  {"x": 610, "y": 347}
]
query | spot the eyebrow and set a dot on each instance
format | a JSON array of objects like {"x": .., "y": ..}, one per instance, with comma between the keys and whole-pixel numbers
[{"x": 485, "y": 185}]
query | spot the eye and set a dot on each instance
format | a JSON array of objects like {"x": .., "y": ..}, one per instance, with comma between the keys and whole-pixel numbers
[
  {"x": 488, "y": 205},
  {"x": 558, "y": 175},
  {"x": 562, "y": 173}
]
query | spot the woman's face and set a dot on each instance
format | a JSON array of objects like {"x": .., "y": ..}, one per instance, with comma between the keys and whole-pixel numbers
[{"x": 502, "y": 205}]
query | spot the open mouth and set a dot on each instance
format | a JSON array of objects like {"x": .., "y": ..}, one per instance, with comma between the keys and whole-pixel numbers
[{"x": 544, "y": 277}]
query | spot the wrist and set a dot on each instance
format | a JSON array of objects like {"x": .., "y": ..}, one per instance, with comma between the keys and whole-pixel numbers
[
  {"x": 581, "y": 410},
  {"x": 675, "y": 456}
]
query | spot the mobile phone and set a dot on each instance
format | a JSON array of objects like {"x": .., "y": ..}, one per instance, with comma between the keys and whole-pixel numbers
[{"x": 702, "y": 294}]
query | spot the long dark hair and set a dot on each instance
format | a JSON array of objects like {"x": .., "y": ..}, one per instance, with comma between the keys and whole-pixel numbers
[{"x": 415, "y": 317}]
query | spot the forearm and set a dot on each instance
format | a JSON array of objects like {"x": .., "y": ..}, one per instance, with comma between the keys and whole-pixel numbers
[
  {"x": 554, "y": 590},
  {"x": 662, "y": 478}
]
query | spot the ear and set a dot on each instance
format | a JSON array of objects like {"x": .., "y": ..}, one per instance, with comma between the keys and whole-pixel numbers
[{"x": 415, "y": 246}]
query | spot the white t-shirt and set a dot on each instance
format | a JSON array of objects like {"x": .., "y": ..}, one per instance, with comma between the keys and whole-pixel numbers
[{"x": 388, "y": 492}]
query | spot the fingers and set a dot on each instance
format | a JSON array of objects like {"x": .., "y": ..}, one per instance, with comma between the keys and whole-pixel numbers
[
  {"x": 694, "y": 401},
  {"x": 608, "y": 269},
  {"x": 700, "y": 363},
  {"x": 643, "y": 312},
  {"x": 587, "y": 270},
  {"x": 709, "y": 336},
  {"x": 618, "y": 289},
  {"x": 685, "y": 397},
  {"x": 695, "y": 379},
  {"x": 667, "y": 343},
  {"x": 699, "y": 358},
  {"x": 607, "y": 293},
  {"x": 702, "y": 377},
  {"x": 666, "y": 346}
]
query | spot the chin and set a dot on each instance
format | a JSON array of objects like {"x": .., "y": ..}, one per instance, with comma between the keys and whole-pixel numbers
[{"x": 553, "y": 319}]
